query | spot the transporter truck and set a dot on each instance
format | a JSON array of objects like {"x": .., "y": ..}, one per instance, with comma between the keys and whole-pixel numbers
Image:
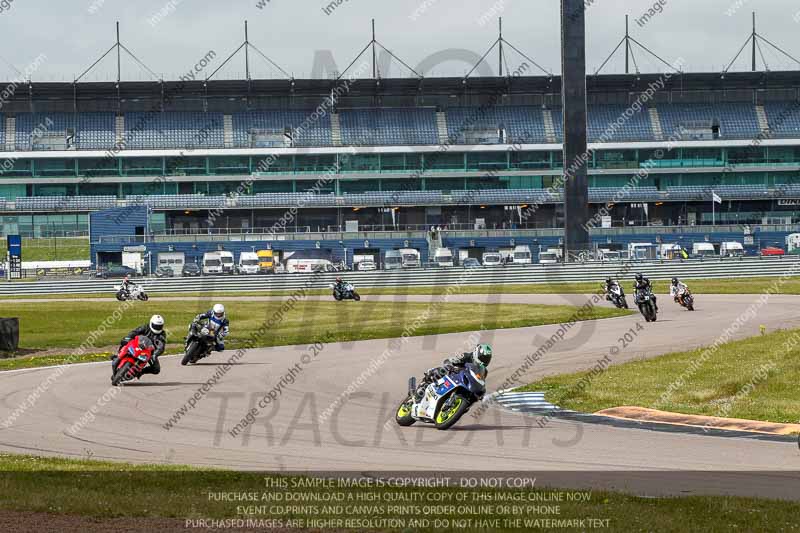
[{"x": 266, "y": 261}]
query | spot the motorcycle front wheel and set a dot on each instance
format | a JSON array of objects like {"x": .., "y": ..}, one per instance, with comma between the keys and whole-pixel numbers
[
  {"x": 403, "y": 416},
  {"x": 337, "y": 296},
  {"x": 143, "y": 296},
  {"x": 122, "y": 374},
  {"x": 192, "y": 353},
  {"x": 356, "y": 297},
  {"x": 447, "y": 416}
]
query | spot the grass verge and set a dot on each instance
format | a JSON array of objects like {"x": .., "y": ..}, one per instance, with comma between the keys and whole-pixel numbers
[
  {"x": 754, "y": 379},
  {"x": 86, "y": 488},
  {"x": 66, "y": 325}
]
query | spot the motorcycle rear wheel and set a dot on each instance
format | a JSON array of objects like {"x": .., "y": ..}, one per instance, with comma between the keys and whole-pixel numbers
[
  {"x": 143, "y": 296},
  {"x": 445, "y": 418},
  {"x": 120, "y": 296},
  {"x": 403, "y": 415},
  {"x": 356, "y": 297},
  {"x": 122, "y": 374}
]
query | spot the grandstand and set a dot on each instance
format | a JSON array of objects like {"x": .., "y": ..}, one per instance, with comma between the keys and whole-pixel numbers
[{"x": 401, "y": 155}]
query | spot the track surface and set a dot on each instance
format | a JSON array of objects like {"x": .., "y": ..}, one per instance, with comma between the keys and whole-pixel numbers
[{"x": 289, "y": 436}]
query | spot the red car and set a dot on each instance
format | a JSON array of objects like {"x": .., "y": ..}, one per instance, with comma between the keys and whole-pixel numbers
[{"x": 772, "y": 250}]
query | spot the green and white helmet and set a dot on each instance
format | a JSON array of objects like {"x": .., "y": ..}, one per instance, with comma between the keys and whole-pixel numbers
[{"x": 483, "y": 353}]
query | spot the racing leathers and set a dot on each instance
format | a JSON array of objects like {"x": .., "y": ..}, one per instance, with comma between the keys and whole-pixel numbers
[
  {"x": 609, "y": 287},
  {"x": 435, "y": 373},
  {"x": 221, "y": 327},
  {"x": 645, "y": 285},
  {"x": 159, "y": 340},
  {"x": 677, "y": 291}
]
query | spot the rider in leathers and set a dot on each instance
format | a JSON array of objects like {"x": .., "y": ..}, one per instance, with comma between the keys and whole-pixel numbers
[
  {"x": 481, "y": 355},
  {"x": 677, "y": 290},
  {"x": 154, "y": 331},
  {"x": 609, "y": 286},
  {"x": 643, "y": 284}
]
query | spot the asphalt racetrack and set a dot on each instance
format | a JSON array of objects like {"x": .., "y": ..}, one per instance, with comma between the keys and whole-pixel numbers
[{"x": 307, "y": 427}]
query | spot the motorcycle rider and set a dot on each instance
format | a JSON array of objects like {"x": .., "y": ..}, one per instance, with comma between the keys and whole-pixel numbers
[
  {"x": 481, "y": 356},
  {"x": 127, "y": 284},
  {"x": 339, "y": 285},
  {"x": 643, "y": 284},
  {"x": 154, "y": 330},
  {"x": 215, "y": 316},
  {"x": 610, "y": 286},
  {"x": 143, "y": 344},
  {"x": 677, "y": 290}
]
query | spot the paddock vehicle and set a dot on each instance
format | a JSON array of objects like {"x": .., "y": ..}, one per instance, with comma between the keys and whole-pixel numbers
[
  {"x": 686, "y": 300},
  {"x": 200, "y": 341},
  {"x": 132, "y": 359},
  {"x": 646, "y": 305},
  {"x": 617, "y": 296},
  {"x": 136, "y": 292},
  {"x": 347, "y": 293},
  {"x": 446, "y": 399}
]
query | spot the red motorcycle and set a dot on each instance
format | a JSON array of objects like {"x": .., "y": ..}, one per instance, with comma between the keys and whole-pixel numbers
[{"x": 132, "y": 359}]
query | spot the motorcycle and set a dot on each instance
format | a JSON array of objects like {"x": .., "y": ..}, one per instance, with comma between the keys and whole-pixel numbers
[
  {"x": 445, "y": 400},
  {"x": 686, "y": 300},
  {"x": 200, "y": 342},
  {"x": 617, "y": 297},
  {"x": 135, "y": 293},
  {"x": 131, "y": 361},
  {"x": 348, "y": 293},
  {"x": 646, "y": 305}
]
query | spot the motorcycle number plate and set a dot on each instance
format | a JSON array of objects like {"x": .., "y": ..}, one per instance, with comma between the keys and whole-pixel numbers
[{"x": 445, "y": 386}]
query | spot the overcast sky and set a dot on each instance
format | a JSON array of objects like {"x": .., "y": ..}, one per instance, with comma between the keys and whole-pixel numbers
[{"x": 705, "y": 34}]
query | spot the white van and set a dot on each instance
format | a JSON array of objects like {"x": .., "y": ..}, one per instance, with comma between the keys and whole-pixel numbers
[
  {"x": 733, "y": 249},
  {"x": 443, "y": 257},
  {"x": 703, "y": 249},
  {"x": 295, "y": 266},
  {"x": 248, "y": 263},
  {"x": 392, "y": 260},
  {"x": 522, "y": 255},
  {"x": 212, "y": 263},
  {"x": 550, "y": 257},
  {"x": 410, "y": 257},
  {"x": 228, "y": 265},
  {"x": 491, "y": 259}
]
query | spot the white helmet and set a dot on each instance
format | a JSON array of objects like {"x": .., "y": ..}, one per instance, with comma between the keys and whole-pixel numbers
[
  {"x": 157, "y": 324},
  {"x": 219, "y": 310}
]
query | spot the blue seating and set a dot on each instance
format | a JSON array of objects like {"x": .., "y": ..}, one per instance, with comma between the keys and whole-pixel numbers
[
  {"x": 735, "y": 121},
  {"x": 64, "y": 131},
  {"x": 369, "y": 127},
  {"x": 179, "y": 129},
  {"x": 523, "y": 124},
  {"x": 306, "y": 130},
  {"x": 783, "y": 119}
]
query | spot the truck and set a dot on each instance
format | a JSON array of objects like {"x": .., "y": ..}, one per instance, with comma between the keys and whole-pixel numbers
[
  {"x": 670, "y": 251},
  {"x": 410, "y": 257},
  {"x": 266, "y": 261},
  {"x": 443, "y": 257},
  {"x": 172, "y": 261},
  {"x": 734, "y": 248},
  {"x": 491, "y": 259},
  {"x": 392, "y": 260},
  {"x": 522, "y": 255},
  {"x": 212, "y": 263},
  {"x": 703, "y": 249},
  {"x": 248, "y": 263}
]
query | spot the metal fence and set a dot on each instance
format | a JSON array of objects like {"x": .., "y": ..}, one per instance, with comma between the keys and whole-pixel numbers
[{"x": 541, "y": 274}]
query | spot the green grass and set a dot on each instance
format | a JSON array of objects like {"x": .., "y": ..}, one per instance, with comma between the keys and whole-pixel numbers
[
  {"x": 717, "y": 388},
  {"x": 87, "y": 488},
  {"x": 52, "y": 249},
  {"x": 702, "y": 286},
  {"x": 65, "y": 325}
]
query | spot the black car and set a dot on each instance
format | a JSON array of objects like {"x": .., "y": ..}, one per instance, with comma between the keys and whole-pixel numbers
[
  {"x": 191, "y": 269},
  {"x": 116, "y": 271}
]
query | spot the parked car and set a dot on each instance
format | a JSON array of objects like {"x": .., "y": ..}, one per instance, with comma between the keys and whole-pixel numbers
[
  {"x": 116, "y": 271},
  {"x": 163, "y": 272},
  {"x": 366, "y": 264},
  {"x": 772, "y": 250},
  {"x": 471, "y": 262},
  {"x": 191, "y": 269}
]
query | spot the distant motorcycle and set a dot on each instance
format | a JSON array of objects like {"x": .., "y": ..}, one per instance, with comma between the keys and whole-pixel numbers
[
  {"x": 646, "y": 305},
  {"x": 200, "y": 342},
  {"x": 686, "y": 300},
  {"x": 617, "y": 296},
  {"x": 445, "y": 400},
  {"x": 133, "y": 358},
  {"x": 348, "y": 292},
  {"x": 135, "y": 293}
]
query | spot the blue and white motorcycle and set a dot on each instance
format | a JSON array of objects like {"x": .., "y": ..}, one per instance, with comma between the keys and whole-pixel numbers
[{"x": 444, "y": 400}]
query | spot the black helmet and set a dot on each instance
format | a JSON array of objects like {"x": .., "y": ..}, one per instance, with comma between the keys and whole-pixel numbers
[
  {"x": 609, "y": 281},
  {"x": 483, "y": 353},
  {"x": 674, "y": 281},
  {"x": 639, "y": 276}
]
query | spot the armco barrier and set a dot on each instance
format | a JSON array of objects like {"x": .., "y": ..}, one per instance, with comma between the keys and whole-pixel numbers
[{"x": 559, "y": 273}]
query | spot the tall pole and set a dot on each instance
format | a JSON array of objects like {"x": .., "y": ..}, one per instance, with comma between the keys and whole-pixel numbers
[
  {"x": 713, "y": 209},
  {"x": 500, "y": 48},
  {"x": 246, "y": 53},
  {"x": 119, "y": 60},
  {"x": 573, "y": 95},
  {"x": 753, "y": 37},
  {"x": 627, "y": 46},
  {"x": 374, "y": 55}
]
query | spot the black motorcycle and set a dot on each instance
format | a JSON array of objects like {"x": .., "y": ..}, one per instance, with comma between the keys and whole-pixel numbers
[
  {"x": 347, "y": 292},
  {"x": 200, "y": 342},
  {"x": 646, "y": 304}
]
